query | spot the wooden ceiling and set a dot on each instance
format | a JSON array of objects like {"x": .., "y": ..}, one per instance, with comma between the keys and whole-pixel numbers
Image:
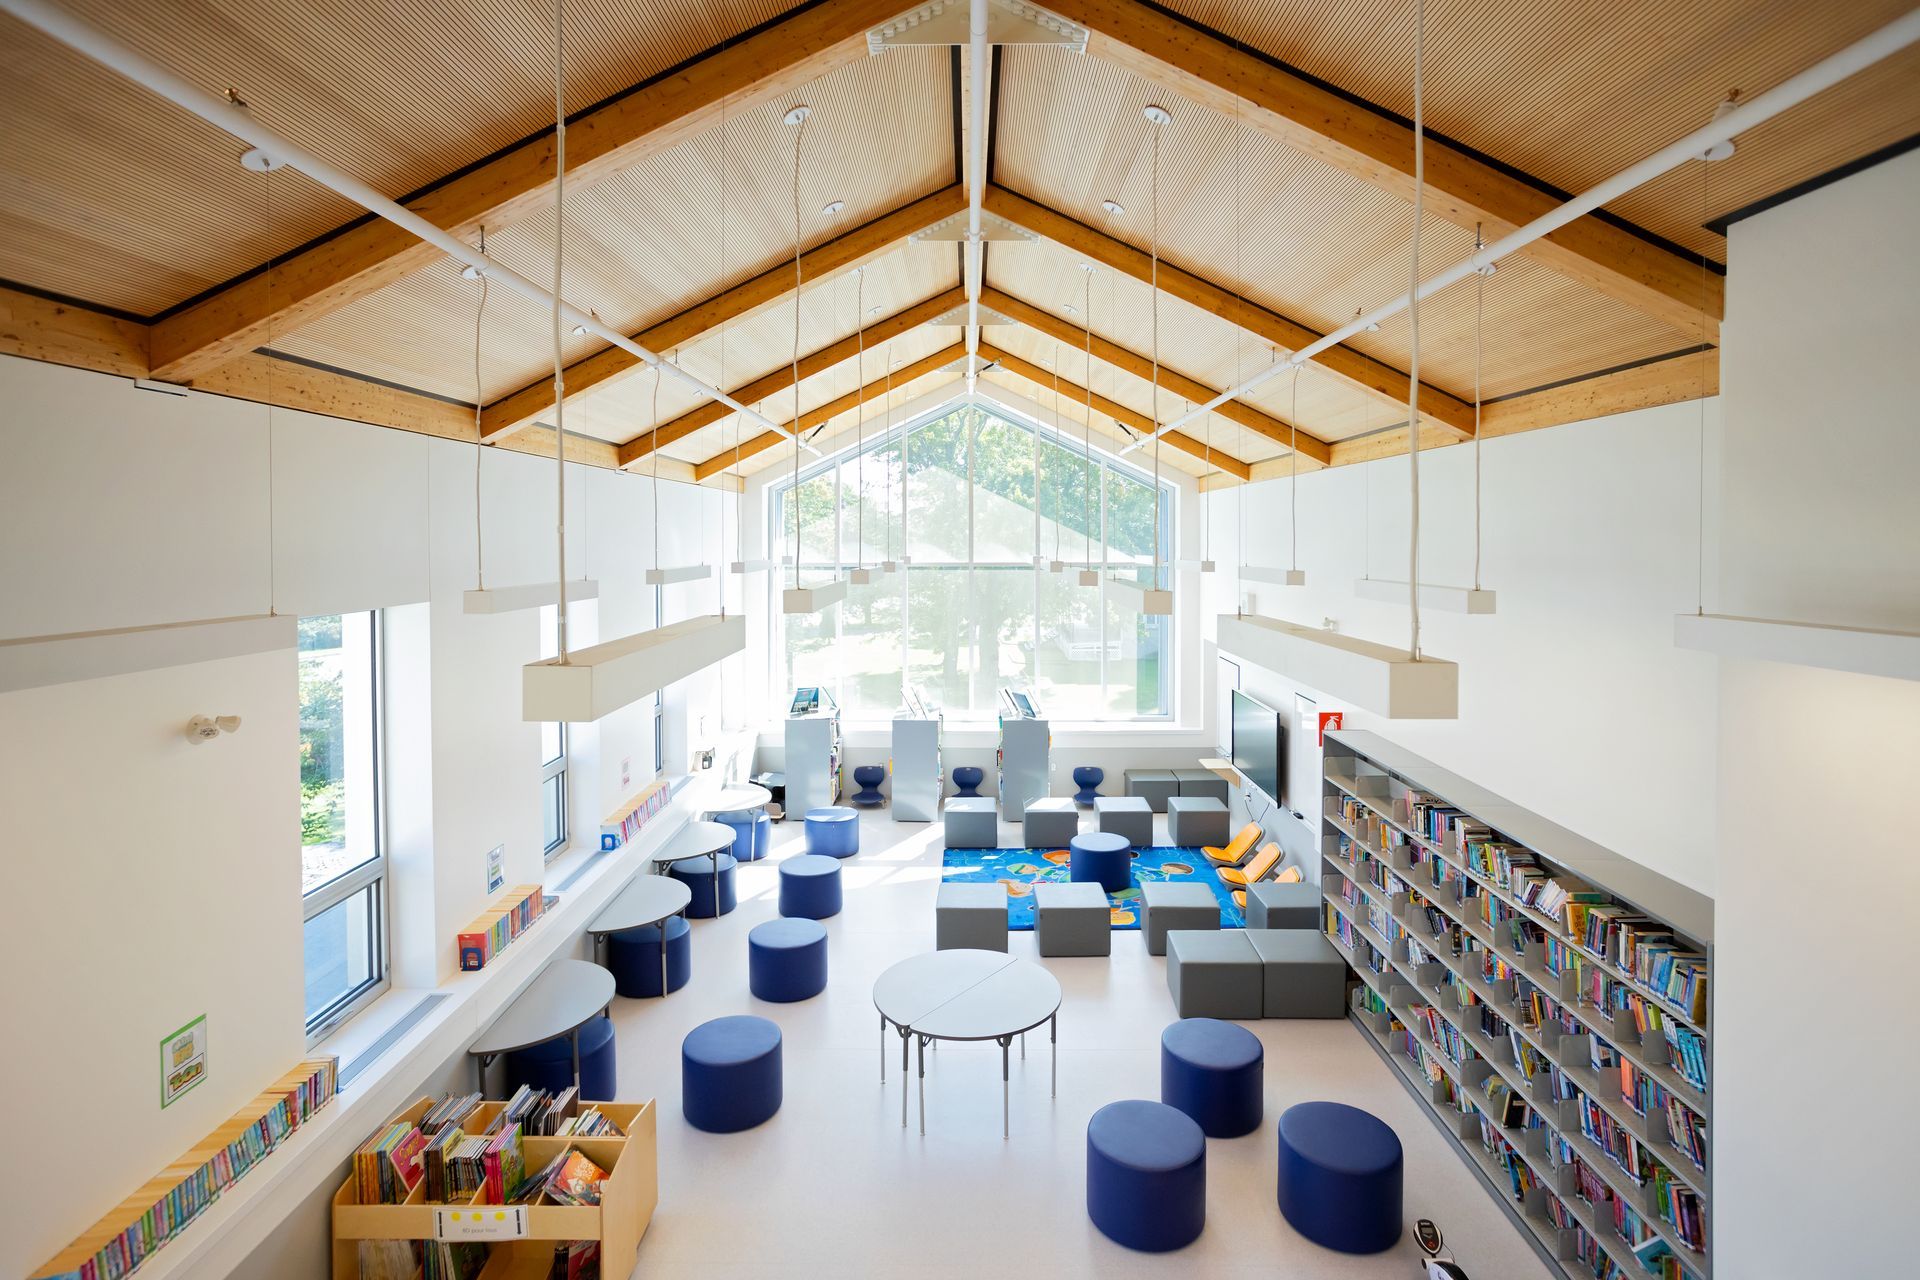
[{"x": 1271, "y": 224}]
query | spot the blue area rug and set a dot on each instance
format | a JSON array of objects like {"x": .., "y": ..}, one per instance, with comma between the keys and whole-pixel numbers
[{"x": 1020, "y": 869}]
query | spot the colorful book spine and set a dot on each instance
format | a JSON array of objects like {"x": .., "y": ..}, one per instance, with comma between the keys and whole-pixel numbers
[{"x": 624, "y": 825}]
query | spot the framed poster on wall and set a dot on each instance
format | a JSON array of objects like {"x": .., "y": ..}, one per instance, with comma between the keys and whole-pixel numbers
[{"x": 183, "y": 1061}]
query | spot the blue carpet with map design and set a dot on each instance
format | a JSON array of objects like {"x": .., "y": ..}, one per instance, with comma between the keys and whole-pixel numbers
[{"x": 1020, "y": 869}]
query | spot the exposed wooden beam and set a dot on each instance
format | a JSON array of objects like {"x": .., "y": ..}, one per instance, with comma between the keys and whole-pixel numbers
[
  {"x": 827, "y": 412},
  {"x": 1372, "y": 376},
  {"x": 605, "y": 140},
  {"x": 875, "y": 336},
  {"x": 1112, "y": 353},
  {"x": 1120, "y": 413},
  {"x": 1153, "y": 43},
  {"x": 842, "y": 253},
  {"x": 38, "y": 328}
]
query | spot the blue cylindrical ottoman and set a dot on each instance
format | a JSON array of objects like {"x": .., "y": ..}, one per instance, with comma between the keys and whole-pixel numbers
[
  {"x": 868, "y": 778},
  {"x": 1340, "y": 1177},
  {"x": 1088, "y": 778},
  {"x": 1102, "y": 856},
  {"x": 730, "y": 1074},
  {"x": 549, "y": 1064},
  {"x": 833, "y": 831},
  {"x": 697, "y": 875},
  {"x": 787, "y": 960},
  {"x": 751, "y": 828},
  {"x": 967, "y": 779},
  {"x": 1213, "y": 1070},
  {"x": 1146, "y": 1175},
  {"x": 634, "y": 957},
  {"x": 810, "y": 886}
]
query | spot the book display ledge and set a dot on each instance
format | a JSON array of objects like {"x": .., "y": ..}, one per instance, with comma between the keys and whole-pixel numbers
[{"x": 1577, "y": 1084}]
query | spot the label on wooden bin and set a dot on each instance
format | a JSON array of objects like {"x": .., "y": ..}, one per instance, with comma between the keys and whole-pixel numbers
[{"x": 481, "y": 1222}]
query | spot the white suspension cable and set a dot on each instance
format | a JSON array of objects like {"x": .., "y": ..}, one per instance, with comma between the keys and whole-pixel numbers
[
  {"x": 1086, "y": 433},
  {"x": 1293, "y": 460},
  {"x": 859, "y": 417},
  {"x": 479, "y": 450},
  {"x": 654, "y": 416},
  {"x": 1413, "y": 327},
  {"x": 1159, "y": 124},
  {"x": 799, "y": 134},
  {"x": 559, "y": 261},
  {"x": 1479, "y": 343},
  {"x": 1700, "y": 528}
]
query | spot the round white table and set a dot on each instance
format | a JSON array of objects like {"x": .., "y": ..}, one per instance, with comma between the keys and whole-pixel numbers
[
  {"x": 966, "y": 995},
  {"x": 647, "y": 900},
  {"x": 558, "y": 1002},
  {"x": 699, "y": 839},
  {"x": 736, "y": 796}
]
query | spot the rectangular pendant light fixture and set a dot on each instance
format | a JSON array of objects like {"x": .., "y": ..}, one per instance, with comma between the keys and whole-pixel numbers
[
  {"x": 1153, "y": 602},
  {"x": 892, "y": 566},
  {"x": 533, "y": 596},
  {"x": 608, "y": 676},
  {"x": 1452, "y": 599},
  {"x": 1861, "y": 650},
  {"x": 860, "y": 577},
  {"x": 1283, "y": 577},
  {"x": 1374, "y": 677},
  {"x": 813, "y": 599},
  {"x": 1204, "y": 566},
  {"x": 686, "y": 573},
  {"x": 749, "y": 566},
  {"x": 1089, "y": 577}
]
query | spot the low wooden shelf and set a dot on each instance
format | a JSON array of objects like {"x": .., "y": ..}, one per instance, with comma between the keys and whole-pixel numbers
[{"x": 627, "y": 1200}]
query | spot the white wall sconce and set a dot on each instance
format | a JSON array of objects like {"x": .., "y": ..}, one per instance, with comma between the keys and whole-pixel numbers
[{"x": 206, "y": 728}]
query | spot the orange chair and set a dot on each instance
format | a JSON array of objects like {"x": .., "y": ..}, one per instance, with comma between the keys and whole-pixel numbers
[
  {"x": 1262, "y": 863},
  {"x": 1235, "y": 853},
  {"x": 1290, "y": 876}
]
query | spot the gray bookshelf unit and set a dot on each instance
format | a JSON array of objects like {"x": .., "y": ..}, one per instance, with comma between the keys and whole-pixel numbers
[{"x": 1484, "y": 1004}]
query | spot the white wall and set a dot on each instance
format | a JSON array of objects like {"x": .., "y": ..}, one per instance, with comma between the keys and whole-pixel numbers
[
  {"x": 163, "y": 880},
  {"x": 1813, "y": 1033},
  {"x": 154, "y": 881},
  {"x": 1573, "y": 700}
]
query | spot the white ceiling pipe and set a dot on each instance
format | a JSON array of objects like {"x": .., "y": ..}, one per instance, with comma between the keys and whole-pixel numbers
[
  {"x": 1888, "y": 40},
  {"x": 976, "y": 178},
  {"x": 224, "y": 115}
]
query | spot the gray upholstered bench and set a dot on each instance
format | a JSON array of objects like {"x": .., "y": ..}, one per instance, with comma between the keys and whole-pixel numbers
[
  {"x": 1126, "y": 816},
  {"x": 1284, "y": 906},
  {"x": 972, "y": 822},
  {"x": 1175, "y": 904},
  {"x": 1050, "y": 822},
  {"x": 1302, "y": 975},
  {"x": 1195, "y": 821},
  {"x": 1155, "y": 786},
  {"x": 1201, "y": 782},
  {"x": 1214, "y": 974},
  {"x": 970, "y": 915},
  {"x": 1072, "y": 919}
]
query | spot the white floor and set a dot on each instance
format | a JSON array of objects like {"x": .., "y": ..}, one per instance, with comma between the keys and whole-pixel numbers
[{"x": 833, "y": 1186}]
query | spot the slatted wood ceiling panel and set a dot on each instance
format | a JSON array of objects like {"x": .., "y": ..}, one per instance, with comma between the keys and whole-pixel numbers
[
  {"x": 839, "y": 433},
  {"x": 1314, "y": 243},
  {"x": 645, "y": 244},
  {"x": 114, "y": 197},
  {"x": 1572, "y": 92}
]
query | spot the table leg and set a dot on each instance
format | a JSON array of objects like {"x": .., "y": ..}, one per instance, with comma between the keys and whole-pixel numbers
[
  {"x": 573, "y": 1040},
  {"x": 905, "y": 1032},
  {"x": 923, "y": 1085},
  {"x": 883, "y": 1048},
  {"x": 1005, "y": 1043},
  {"x": 1023, "y": 1046},
  {"x": 715, "y": 856},
  {"x": 483, "y": 1061},
  {"x": 1053, "y": 1037}
]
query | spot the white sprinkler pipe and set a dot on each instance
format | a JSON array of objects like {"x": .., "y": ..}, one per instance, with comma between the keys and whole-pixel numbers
[
  {"x": 1888, "y": 40},
  {"x": 978, "y": 54},
  {"x": 224, "y": 115}
]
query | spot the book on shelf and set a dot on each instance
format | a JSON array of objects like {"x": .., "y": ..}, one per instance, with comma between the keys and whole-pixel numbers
[
  {"x": 511, "y": 913},
  {"x": 166, "y": 1204},
  {"x": 624, "y": 825}
]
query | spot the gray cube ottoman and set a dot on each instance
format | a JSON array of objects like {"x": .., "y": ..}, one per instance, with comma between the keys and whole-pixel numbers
[
  {"x": 1284, "y": 906},
  {"x": 1303, "y": 976},
  {"x": 1155, "y": 786},
  {"x": 1072, "y": 919},
  {"x": 970, "y": 915},
  {"x": 1175, "y": 904},
  {"x": 1050, "y": 822},
  {"x": 1126, "y": 816},
  {"x": 1201, "y": 782},
  {"x": 972, "y": 822},
  {"x": 1214, "y": 974},
  {"x": 1193, "y": 821}
]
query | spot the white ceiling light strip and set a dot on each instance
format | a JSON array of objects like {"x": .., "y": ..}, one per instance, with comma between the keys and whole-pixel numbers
[
  {"x": 1888, "y": 40},
  {"x": 218, "y": 112}
]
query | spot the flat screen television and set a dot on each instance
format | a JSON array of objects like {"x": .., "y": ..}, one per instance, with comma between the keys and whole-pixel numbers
[{"x": 1259, "y": 744}]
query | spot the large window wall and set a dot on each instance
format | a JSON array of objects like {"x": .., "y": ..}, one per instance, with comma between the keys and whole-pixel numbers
[{"x": 972, "y": 612}]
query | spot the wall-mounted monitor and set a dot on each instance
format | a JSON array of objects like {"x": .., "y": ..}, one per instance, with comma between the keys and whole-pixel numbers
[{"x": 1259, "y": 745}]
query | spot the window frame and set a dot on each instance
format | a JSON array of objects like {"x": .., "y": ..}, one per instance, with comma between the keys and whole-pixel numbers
[
  {"x": 1107, "y": 465},
  {"x": 370, "y": 876},
  {"x": 549, "y": 770}
]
